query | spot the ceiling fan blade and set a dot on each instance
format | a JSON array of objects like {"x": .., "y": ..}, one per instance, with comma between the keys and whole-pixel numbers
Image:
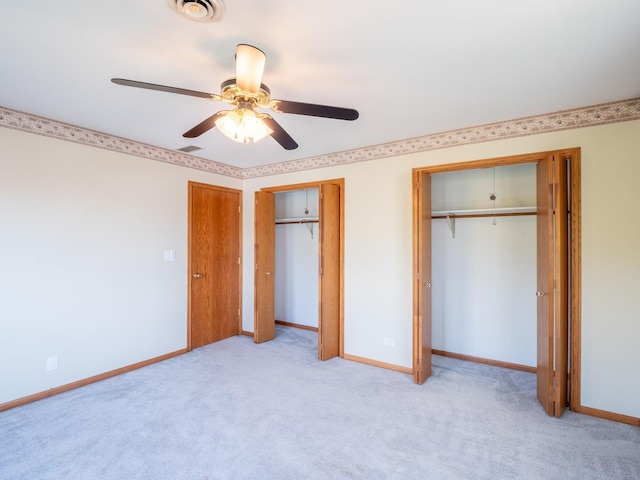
[
  {"x": 249, "y": 68},
  {"x": 164, "y": 88},
  {"x": 279, "y": 134},
  {"x": 204, "y": 126},
  {"x": 314, "y": 110}
]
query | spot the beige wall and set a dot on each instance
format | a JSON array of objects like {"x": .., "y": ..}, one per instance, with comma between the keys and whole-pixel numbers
[
  {"x": 82, "y": 271},
  {"x": 83, "y": 231}
]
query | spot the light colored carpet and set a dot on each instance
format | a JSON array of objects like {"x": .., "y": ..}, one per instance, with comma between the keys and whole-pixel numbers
[{"x": 237, "y": 410}]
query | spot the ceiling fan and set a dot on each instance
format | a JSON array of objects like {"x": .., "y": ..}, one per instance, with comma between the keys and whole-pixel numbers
[{"x": 247, "y": 92}]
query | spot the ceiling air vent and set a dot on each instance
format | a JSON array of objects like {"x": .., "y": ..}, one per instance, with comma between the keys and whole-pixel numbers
[
  {"x": 189, "y": 148},
  {"x": 199, "y": 10}
]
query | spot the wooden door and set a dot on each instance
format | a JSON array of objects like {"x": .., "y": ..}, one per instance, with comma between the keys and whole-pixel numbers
[
  {"x": 552, "y": 244},
  {"x": 422, "y": 277},
  {"x": 329, "y": 272},
  {"x": 264, "y": 316},
  {"x": 214, "y": 264}
]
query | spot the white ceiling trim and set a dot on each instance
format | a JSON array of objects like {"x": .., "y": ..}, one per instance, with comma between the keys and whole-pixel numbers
[{"x": 613, "y": 112}]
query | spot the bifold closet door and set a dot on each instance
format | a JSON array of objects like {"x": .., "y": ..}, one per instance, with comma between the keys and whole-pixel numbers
[
  {"x": 422, "y": 278},
  {"x": 264, "y": 314},
  {"x": 329, "y": 272},
  {"x": 552, "y": 244}
]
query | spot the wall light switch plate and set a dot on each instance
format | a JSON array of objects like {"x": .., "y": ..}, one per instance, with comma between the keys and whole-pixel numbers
[
  {"x": 169, "y": 255},
  {"x": 52, "y": 364}
]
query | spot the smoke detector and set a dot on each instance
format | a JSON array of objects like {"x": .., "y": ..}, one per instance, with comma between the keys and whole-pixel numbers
[{"x": 199, "y": 10}]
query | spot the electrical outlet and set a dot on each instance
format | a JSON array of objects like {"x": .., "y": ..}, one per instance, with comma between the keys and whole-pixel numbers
[
  {"x": 389, "y": 342},
  {"x": 51, "y": 364}
]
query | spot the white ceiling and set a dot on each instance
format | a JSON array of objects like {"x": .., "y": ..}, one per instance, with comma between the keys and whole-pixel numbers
[{"x": 410, "y": 67}]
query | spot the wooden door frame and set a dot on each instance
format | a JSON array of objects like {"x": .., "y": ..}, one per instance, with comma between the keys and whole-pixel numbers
[
  {"x": 302, "y": 186},
  {"x": 190, "y": 185},
  {"x": 575, "y": 248}
]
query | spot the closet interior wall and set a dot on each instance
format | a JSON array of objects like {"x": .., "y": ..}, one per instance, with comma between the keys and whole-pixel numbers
[
  {"x": 484, "y": 274},
  {"x": 296, "y": 272}
]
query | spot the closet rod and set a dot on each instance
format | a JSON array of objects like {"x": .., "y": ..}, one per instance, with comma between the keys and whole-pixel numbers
[
  {"x": 484, "y": 215},
  {"x": 291, "y": 222}
]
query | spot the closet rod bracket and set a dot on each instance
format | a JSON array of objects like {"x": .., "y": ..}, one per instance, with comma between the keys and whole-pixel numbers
[{"x": 452, "y": 224}]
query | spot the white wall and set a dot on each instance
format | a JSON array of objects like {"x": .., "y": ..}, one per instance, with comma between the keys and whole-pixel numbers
[
  {"x": 514, "y": 186},
  {"x": 82, "y": 271},
  {"x": 296, "y": 275},
  {"x": 483, "y": 288},
  {"x": 484, "y": 279},
  {"x": 378, "y": 255}
]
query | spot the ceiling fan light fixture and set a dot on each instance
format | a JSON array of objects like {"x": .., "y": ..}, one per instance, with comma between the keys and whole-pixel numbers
[
  {"x": 199, "y": 10},
  {"x": 243, "y": 126}
]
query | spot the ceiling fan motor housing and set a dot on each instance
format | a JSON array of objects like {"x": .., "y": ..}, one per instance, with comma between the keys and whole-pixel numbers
[
  {"x": 199, "y": 10},
  {"x": 231, "y": 93}
]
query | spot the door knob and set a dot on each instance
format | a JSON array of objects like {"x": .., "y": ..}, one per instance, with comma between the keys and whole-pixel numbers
[
  {"x": 539, "y": 294},
  {"x": 197, "y": 275},
  {"x": 267, "y": 273},
  {"x": 428, "y": 285}
]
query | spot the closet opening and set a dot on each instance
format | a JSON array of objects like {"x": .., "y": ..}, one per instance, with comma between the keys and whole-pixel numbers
[
  {"x": 299, "y": 245},
  {"x": 473, "y": 223},
  {"x": 296, "y": 261},
  {"x": 483, "y": 245}
]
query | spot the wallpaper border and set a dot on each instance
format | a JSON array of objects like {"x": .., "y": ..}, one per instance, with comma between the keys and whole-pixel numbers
[{"x": 620, "y": 111}]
